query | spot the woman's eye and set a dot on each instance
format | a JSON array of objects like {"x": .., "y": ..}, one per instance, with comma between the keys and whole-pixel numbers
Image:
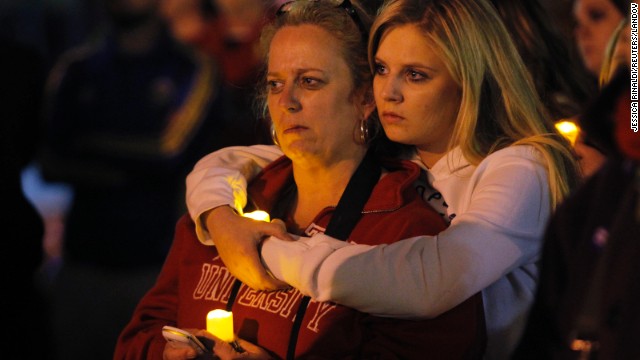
[
  {"x": 274, "y": 86},
  {"x": 596, "y": 15},
  {"x": 309, "y": 82},
  {"x": 414, "y": 75},
  {"x": 380, "y": 69}
]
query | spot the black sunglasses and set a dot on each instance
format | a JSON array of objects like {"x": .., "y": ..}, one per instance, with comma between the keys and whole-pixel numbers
[{"x": 345, "y": 4}]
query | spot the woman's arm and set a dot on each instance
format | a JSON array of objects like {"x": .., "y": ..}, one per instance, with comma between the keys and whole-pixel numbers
[
  {"x": 496, "y": 231},
  {"x": 220, "y": 178}
]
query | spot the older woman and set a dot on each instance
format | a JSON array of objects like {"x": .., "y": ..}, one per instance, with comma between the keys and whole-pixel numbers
[{"x": 318, "y": 96}]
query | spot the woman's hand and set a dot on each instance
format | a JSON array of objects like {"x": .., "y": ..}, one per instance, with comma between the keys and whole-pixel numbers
[
  {"x": 177, "y": 351},
  {"x": 225, "y": 351},
  {"x": 237, "y": 240},
  {"x": 174, "y": 350}
]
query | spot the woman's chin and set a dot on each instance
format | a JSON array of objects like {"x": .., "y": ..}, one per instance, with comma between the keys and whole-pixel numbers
[{"x": 296, "y": 149}]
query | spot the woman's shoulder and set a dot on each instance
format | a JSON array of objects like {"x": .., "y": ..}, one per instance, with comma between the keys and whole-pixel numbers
[
  {"x": 519, "y": 164},
  {"x": 508, "y": 159},
  {"x": 521, "y": 152},
  {"x": 514, "y": 157}
]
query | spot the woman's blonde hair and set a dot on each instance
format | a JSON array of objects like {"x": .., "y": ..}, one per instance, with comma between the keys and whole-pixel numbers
[
  {"x": 610, "y": 63},
  {"x": 499, "y": 106}
]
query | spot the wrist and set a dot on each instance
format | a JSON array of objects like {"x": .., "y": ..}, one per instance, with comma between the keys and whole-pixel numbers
[
  {"x": 264, "y": 263},
  {"x": 208, "y": 217}
]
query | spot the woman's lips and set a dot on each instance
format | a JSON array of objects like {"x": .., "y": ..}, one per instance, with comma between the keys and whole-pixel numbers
[
  {"x": 391, "y": 117},
  {"x": 294, "y": 129}
]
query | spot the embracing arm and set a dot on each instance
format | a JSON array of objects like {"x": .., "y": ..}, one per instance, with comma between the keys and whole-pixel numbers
[
  {"x": 499, "y": 230},
  {"x": 220, "y": 178}
]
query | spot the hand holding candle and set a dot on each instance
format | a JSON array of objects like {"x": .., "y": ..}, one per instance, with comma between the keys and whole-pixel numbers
[{"x": 220, "y": 324}]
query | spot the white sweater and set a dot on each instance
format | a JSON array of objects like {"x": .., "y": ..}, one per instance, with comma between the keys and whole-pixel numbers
[{"x": 499, "y": 211}]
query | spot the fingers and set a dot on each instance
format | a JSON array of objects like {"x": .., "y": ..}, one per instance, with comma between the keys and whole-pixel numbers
[
  {"x": 245, "y": 264},
  {"x": 173, "y": 351},
  {"x": 249, "y": 347},
  {"x": 226, "y": 352},
  {"x": 269, "y": 283},
  {"x": 275, "y": 228},
  {"x": 259, "y": 279},
  {"x": 280, "y": 230}
]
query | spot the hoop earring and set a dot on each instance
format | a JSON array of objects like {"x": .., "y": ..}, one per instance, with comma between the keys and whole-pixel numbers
[
  {"x": 364, "y": 131},
  {"x": 274, "y": 136}
]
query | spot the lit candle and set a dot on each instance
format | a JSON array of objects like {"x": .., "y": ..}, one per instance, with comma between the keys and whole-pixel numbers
[
  {"x": 258, "y": 215},
  {"x": 569, "y": 130},
  {"x": 220, "y": 324}
]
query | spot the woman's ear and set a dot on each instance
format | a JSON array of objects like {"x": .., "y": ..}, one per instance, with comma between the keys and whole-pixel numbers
[{"x": 368, "y": 102}]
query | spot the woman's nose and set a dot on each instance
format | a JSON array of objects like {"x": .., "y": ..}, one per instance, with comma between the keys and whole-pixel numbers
[
  {"x": 390, "y": 89},
  {"x": 288, "y": 98},
  {"x": 580, "y": 31}
]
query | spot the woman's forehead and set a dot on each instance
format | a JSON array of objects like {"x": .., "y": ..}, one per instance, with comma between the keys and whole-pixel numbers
[{"x": 305, "y": 46}]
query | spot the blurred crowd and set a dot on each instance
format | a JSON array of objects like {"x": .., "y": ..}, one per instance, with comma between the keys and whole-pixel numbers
[{"x": 115, "y": 101}]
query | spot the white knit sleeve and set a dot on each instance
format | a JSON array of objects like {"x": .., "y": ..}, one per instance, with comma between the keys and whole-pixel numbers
[
  {"x": 220, "y": 178},
  {"x": 498, "y": 230}
]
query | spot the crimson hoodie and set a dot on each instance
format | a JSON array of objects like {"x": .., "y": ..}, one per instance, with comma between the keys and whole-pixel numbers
[{"x": 194, "y": 281}]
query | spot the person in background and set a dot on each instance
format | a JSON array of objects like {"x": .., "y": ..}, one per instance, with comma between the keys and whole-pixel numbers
[
  {"x": 596, "y": 25},
  {"x": 127, "y": 117},
  {"x": 563, "y": 86},
  {"x": 331, "y": 178},
  {"x": 226, "y": 32},
  {"x": 586, "y": 304},
  {"x": 229, "y": 31},
  {"x": 496, "y": 169},
  {"x": 23, "y": 75}
]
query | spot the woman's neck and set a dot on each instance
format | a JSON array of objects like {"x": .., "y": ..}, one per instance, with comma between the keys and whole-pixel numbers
[
  {"x": 430, "y": 158},
  {"x": 320, "y": 187}
]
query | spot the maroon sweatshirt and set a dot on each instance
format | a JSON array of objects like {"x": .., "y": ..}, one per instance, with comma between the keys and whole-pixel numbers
[{"x": 194, "y": 281}]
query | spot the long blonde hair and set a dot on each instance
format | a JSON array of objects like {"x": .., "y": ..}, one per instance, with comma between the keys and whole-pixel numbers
[{"x": 500, "y": 106}]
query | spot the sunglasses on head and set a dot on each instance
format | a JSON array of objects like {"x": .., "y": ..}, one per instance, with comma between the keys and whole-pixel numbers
[{"x": 345, "y": 4}]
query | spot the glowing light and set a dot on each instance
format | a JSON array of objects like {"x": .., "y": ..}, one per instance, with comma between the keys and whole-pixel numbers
[
  {"x": 258, "y": 215},
  {"x": 220, "y": 324},
  {"x": 569, "y": 130}
]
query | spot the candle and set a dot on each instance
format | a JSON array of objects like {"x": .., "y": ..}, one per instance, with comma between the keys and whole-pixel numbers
[
  {"x": 258, "y": 215},
  {"x": 569, "y": 130},
  {"x": 220, "y": 324}
]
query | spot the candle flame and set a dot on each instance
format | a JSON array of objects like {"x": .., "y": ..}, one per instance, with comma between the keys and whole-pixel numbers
[
  {"x": 258, "y": 215},
  {"x": 569, "y": 130}
]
